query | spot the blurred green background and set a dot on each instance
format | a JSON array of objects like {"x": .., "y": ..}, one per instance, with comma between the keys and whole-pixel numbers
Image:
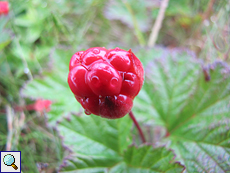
[{"x": 34, "y": 29}]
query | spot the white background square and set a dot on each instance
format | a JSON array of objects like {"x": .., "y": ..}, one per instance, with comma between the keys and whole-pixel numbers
[{"x": 5, "y": 168}]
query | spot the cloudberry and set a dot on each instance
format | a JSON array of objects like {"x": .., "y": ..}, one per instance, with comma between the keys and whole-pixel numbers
[{"x": 105, "y": 82}]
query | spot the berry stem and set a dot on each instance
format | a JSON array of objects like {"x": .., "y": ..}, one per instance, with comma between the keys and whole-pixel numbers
[{"x": 138, "y": 126}]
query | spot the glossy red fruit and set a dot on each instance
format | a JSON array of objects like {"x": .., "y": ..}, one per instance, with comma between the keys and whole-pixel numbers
[
  {"x": 104, "y": 79},
  {"x": 77, "y": 82},
  {"x": 75, "y": 60},
  {"x": 105, "y": 82},
  {"x": 4, "y": 8},
  {"x": 115, "y": 106}
]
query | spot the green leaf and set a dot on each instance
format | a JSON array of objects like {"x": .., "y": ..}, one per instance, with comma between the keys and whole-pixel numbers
[
  {"x": 34, "y": 16},
  {"x": 34, "y": 32},
  {"x": 99, "y": 144},
  {"x": 148, "y": 159},
  {"x": 145, "y": 55},
  {"x": 144, "y": 111},
  {"x": 96, "y": 142},
  {"x": 202, "y": 139},
  {"x": 194, "y": 109},
  {"x": 157, "y": 160},
  {"x": 54, "y": 87},
  {"x": 181, "y": 7},
  {"x": 143, "y": 107},
  {"x": 171, "y": 84},
  {"x": 5, "y": 36},
  {"x": 4, "y": 42}
]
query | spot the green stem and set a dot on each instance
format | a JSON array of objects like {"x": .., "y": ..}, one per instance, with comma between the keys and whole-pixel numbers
[{"x": 138, "y": 32}]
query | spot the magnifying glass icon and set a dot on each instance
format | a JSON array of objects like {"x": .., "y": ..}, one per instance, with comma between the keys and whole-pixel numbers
[{"x": 9, "y": 160}]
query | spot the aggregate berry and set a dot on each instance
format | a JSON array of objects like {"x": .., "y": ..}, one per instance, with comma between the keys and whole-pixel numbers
[{"x": 105, "y": 82}]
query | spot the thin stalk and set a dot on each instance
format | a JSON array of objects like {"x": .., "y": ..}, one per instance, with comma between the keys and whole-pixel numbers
[
  {"x": 138, "y": 126},
  {"x": 9, "y": 114},
  {"x": 138, "y": 32},
  {"x": 157, "y": 25}
]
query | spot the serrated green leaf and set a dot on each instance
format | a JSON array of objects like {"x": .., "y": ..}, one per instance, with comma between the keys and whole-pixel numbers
[
  {"x": 143, "y": 107},
  {"x": 96, "y": 142},
  {"x": 171, "y": 84},
  {"x": 195, "y": 110},
  {"x": 99, "y": 145},
  {"x": 205, "y": 134},
  {"x": 147, "y": 159},
  {"x": 202, "y": 156},
  {"x": 144, "y": 111}
]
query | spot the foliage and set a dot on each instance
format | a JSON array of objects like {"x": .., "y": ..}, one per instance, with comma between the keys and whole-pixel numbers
[
  {"x": 183, "y": 107},
  {"x": 195, "y": 110}
]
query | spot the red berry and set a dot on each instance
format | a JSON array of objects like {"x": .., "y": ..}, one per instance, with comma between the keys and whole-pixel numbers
[
  {"x": 113, "y": 107},
  {"x": 75, "y": 60},
  {"x": 120, "y": 59},
  {"x": 77, "y": 83},
  {"x": 131, "y": 84},
  {"x": 91, "y": 105},
  {"x": 105, "y": 82},
  {"x": 4, "y": 7},
  {"x": 93, "y": 54}
]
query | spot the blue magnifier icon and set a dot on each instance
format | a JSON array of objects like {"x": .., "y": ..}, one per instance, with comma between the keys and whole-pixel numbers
[{"x": 9, "y": 160}]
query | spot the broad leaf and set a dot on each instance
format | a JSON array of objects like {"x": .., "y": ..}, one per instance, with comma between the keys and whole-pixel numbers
[
  {"x": 146, "y": 159},
  {"x": 143, "y": 107},
  {"x": 101, "y": 145},
  {"x": 96, "y": 143},
  {"x": 194, "y": 106}
]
